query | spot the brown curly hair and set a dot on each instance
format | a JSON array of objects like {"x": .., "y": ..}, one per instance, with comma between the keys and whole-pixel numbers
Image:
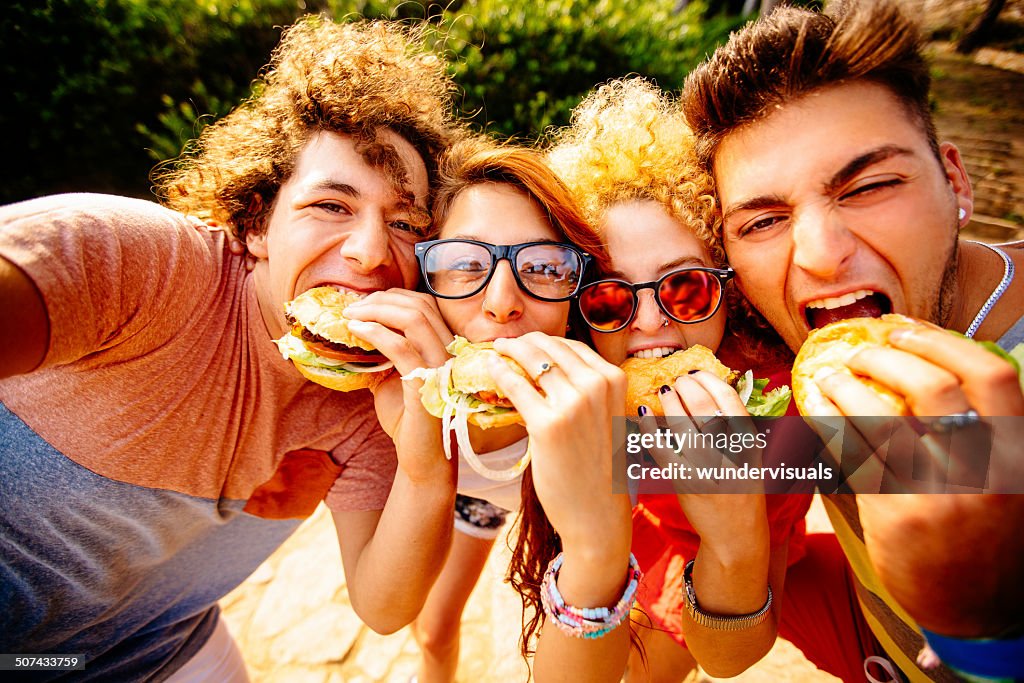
[
  {"x": 627, "y": 141},
  {"x": 792, "y": 52},
  {"x": 354, "y": 78}
]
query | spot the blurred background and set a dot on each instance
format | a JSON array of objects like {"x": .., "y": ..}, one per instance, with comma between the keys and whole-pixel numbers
[{"x": 97, "y": 91}]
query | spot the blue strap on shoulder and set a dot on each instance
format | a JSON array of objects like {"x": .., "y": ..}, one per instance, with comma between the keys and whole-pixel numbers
[{"x": 1000, "y": 659}]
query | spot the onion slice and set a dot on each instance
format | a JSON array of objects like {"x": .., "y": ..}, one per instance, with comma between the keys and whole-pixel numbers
[
  {"x": 455, "y": 418},
  {"x": 359, "y": 367}
]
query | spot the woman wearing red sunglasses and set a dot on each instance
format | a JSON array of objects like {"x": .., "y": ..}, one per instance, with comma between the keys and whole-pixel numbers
[{"x": 627, "y": 160}]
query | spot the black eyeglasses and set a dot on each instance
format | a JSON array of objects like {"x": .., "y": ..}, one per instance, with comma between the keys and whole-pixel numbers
[
  {"x": 687, "y": 295},
  {"x": 458, "y": 268}
]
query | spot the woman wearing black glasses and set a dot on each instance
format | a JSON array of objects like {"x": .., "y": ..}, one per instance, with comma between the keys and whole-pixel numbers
[
  {"x": 627, "y": 160},
  {"x": 511, "y": 251}
]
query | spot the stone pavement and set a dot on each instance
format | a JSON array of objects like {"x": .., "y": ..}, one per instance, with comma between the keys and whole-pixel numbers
[
  {"x": 293, "y": 621},
  {"x": 980, "y": 107}
]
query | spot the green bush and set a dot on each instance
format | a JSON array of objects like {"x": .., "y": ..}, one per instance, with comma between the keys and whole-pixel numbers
[
  {"x": 99, "y": 90},
  {"x": 523, "y": 66}
]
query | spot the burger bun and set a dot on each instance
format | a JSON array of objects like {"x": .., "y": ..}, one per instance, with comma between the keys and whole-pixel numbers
[
  {"x": 832, "y": 346},
  {"x": 646, "y": 376},
  {"x": 319, "y": 311}
]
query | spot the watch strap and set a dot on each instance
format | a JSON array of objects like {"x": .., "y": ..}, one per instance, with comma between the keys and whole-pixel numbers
[{"x": 716, "y": 621}]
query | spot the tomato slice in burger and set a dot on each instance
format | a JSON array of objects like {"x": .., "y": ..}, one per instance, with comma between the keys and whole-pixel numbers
[{"x": 354, "y": 356}]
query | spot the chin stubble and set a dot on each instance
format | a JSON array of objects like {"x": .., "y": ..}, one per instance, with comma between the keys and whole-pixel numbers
[{"x": 942, "y": 311}]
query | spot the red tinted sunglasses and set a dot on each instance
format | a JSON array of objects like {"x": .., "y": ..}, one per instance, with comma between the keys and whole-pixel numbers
[{"x": 687, "y": 295}]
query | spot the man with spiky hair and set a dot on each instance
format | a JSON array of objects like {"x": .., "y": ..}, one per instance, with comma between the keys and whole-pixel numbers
[
  {"x": 156, "y": 447},
  {"x": 838, "y": 202}
]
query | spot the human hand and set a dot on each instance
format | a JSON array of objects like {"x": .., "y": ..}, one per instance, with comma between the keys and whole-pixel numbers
[
  {"x": 938, "y": 374},
  {"x": 407, "y": 328},
  {"x": 570, "y": 428},
  {"x": 700, "y": 408}
]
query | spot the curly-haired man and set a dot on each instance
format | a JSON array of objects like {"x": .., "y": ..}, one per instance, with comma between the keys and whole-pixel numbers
[{"x": 156, "y": 448}]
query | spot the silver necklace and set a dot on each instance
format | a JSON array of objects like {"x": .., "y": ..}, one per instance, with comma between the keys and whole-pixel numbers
[{"x": 1008, "y": 270}]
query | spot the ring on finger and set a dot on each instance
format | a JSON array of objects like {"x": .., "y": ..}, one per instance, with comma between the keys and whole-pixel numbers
[
  {"x": 545, "y": 367},
  {"x": 717, "y": 415},
  {"x": 954, "y": 421}
]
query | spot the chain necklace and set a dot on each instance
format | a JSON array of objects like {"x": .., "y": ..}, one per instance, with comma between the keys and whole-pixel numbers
[{"x": 1000, "y": 289}]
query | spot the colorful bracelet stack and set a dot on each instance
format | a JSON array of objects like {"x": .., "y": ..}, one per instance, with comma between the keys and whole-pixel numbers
[{"x": 586, "y": 622}]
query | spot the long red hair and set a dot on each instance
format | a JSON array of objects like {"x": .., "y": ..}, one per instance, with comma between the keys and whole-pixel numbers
[{"x": 481, "y": 160}]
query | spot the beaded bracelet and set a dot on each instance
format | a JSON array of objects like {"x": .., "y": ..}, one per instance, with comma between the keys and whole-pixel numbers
[{"x": 586, "y": 622}]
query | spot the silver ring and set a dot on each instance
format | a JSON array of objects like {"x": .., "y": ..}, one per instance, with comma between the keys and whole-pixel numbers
[
  {"x": 544, "y": 367},
  {"x": 718, "y": 414},
  {"x": 954, "y": 421}
]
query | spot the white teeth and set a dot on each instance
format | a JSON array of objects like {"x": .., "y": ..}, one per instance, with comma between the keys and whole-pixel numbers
[
  {"x": 839, "y": 301},
  {"x": 657, "y": 352}
]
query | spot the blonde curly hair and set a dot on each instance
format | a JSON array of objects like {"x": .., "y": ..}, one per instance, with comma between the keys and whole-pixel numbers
[
  {"x": 628, "y": 141},
  {"x": 353, "y": 78}
]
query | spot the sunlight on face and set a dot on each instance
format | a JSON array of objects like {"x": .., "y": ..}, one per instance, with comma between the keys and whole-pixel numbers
[
  {"x": 644, "y": 243},
  {"x": 500, "y": 214}
]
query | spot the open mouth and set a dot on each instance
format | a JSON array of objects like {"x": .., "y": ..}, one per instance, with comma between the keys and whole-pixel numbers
[
  {"x": 863, "y": 303},
  {"x": 656, "y": 352}
]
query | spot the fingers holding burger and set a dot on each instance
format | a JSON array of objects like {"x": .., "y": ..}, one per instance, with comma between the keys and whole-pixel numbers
[
  {"x": 648, "y": 375},
  {"x": 322, "y": 347},
  {"x": 463, "y": 392}
]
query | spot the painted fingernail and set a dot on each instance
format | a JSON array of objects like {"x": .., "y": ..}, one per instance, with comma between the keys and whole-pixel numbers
[
  {"x": 665, "y": 389},
  {"x": 643, "y": 411},
  {"x": 692, "y": 372}
]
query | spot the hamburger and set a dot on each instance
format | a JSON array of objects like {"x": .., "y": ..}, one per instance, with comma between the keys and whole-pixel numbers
[
  {"x": 321, "y": 346},
  {"x": 646, "y": 376},
  {"x": 464, "y": 385},
  {"x": 462, "y": 392},
  {"x": 834, "y": 344}
]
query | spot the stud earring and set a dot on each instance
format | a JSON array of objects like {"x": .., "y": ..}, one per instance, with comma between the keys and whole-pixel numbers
[
  {"x": 664, "y": 323},
  {"x": 963, "y": 213}
]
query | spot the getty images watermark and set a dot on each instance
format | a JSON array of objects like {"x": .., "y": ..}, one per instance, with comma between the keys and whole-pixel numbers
[{"x": 831, "y": 455}]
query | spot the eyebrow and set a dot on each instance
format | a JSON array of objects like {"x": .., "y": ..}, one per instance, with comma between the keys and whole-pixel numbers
[
  {"x": 847, "y": 172},
  {"x": 406, "y": 200},
  {"x": 767, "y": 201},
  {"x": 663, "y": 268},
  {"x": 335, "y": 186},
  {"x": 841, "y": 177},
  {"x": 544, "y": 240}
]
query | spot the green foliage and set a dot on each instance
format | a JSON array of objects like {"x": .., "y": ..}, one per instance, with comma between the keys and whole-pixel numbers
[
  {"x": 523, "y": 66},
  {"x": 97, "y": 90}
]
